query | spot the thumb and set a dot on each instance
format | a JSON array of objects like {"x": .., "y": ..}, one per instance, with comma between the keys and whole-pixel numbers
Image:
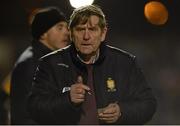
[
  {"x": 79, "y": 79},
  {"x": 111, "y": 105}
]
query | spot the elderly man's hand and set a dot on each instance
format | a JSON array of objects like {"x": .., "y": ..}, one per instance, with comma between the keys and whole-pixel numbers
[
  {"x": 109, "y": 114},
  {"x": 78, "y": 90}
]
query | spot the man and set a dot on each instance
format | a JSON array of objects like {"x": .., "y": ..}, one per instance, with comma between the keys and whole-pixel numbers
[
  {"x": 50, "y": 32},
  {"x": 90, "y": 82}
]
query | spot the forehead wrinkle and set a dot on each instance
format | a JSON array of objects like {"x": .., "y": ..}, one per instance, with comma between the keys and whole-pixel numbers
[{"x": 89, "y": 22}]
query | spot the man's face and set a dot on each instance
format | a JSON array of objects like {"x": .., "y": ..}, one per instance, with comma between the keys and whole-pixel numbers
[
  {"x": 88, "y": 37},
  {"x": 57, "y": 36}
]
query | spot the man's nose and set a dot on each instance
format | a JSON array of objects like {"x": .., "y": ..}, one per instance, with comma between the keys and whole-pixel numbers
[{"x": 86, "y": 34}]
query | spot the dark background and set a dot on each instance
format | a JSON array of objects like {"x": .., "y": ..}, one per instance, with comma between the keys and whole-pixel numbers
[{"x": 156, "y": 47}]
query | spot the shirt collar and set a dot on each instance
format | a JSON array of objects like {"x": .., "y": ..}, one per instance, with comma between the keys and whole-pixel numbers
[{"x": 93, "y": 58}]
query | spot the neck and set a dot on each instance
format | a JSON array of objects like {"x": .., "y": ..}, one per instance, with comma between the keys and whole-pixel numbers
[{"x": 89, "y": 59}]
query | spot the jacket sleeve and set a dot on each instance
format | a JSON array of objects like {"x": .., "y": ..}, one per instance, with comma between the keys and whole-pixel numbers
[
  {"x": 20, "y": 86},
  {"x": 46, "y": 103},
  {"x": 140, "y": 104}
]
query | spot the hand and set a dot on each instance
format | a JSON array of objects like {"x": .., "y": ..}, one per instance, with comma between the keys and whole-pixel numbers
[
  {"x": 110, "y": 114},
  {"x": 78, "y": 90}
]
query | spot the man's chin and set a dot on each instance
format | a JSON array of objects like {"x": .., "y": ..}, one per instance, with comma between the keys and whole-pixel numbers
[{"x": 86, "y": 51}]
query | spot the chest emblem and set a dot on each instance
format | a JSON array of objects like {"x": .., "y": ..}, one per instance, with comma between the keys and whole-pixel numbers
[{"x": 111, "y": 85}]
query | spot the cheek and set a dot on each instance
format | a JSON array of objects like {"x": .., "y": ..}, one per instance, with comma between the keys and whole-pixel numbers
[
  {"x": 52, "y": 34},
  {"x": 97, "y": 39},
  {"x": 97, "y": 45},
  {"x": 57, "y": 35},
  {"x": 77, "y": 40}
]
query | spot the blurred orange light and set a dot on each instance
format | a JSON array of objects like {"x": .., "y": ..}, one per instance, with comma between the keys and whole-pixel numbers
[{"x": 156, "y": 13}]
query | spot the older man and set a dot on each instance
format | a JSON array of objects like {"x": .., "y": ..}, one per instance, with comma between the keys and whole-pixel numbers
[{"x": 90, "y": 82}]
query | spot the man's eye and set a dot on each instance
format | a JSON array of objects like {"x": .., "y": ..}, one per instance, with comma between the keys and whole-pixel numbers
[
  {"x": 80, "y": 29},
  {"x": 92, "y": 29},
  {"x": 60, "y": 28}
]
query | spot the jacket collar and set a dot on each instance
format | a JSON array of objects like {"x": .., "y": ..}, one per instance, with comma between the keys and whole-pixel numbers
[
  {"x": 79, "y": 63},
  {"x": 40, "y": 49}
]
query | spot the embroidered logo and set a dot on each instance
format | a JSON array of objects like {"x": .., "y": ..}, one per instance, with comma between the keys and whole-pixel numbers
[{"x": 111, "y": 85}]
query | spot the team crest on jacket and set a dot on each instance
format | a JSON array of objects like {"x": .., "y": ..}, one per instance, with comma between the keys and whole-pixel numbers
[{"x": 111, "y": 85}]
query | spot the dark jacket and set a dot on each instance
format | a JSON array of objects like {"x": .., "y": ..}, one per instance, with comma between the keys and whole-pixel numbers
[
  {"x": 21, "y": 82},
  {"x": 49, "y": 105},
  {"x": 3, "y": 111}
]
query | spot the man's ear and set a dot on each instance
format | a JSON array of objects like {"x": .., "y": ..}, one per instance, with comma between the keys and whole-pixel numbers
[
  {"x": 104, "y": 31},
  {"x": 43, "y": 36}
]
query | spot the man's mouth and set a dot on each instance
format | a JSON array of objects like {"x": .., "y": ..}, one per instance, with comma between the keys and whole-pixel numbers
[{"x": 85, "y": 44}]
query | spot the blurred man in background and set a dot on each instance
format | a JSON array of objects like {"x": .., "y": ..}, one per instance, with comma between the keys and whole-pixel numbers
[{"x": 50, "y": 32}]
